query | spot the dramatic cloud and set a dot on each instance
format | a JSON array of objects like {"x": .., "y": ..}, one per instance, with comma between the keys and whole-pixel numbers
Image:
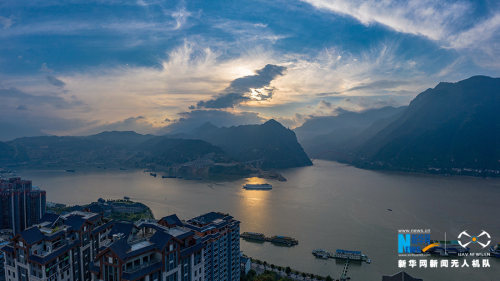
[
  {"x": 251, "y": 87},
  {"x": 156, "y": 66}
]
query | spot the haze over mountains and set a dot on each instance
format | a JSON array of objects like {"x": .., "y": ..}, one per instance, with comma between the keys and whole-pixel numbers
[
  {"x": 240, "y": 150},
  {"x": 452, "y": 128}
]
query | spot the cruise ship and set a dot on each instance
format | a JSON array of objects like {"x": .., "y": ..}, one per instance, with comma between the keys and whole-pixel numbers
[{"x": 259, "y": 186}]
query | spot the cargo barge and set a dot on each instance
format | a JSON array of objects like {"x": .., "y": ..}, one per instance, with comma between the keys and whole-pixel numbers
[
  {"x": 277, "y": 239},
  {"x": 341, "y": 255}
]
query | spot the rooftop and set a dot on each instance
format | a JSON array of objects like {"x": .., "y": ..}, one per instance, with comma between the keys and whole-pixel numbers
[
  {"x": 212, "y": 217},
  {"x": 401, "y": 276}
]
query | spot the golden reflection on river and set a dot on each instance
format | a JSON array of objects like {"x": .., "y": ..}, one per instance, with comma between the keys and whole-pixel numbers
[{"x": 253, "y": 205}]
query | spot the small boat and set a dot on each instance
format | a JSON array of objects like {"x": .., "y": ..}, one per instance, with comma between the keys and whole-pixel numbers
[
  {"x": 321, "y": 254},
  {"x": 168, "y": 177},
  {"x": 390, "y": 210},
  {"x": 70, "y": 170},
  {"x": 495, "y": 250},
  {"x": 259, "y": 186},
  {"x": 152, "y": 174}
]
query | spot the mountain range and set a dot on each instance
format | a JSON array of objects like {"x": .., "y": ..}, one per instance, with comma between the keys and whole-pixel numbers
[
  {"x": 239, "y": 150},
  {"x": 451, "y": 128}
]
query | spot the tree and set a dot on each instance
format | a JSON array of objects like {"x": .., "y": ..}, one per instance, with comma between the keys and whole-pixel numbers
[
  {"x": 288, "y": 270},
  {"x": 265, "y": 264},
  {"x": 273, "y": 266},
  {"x": 329, "y": 278},
  {"x": 251, "y": 274}
]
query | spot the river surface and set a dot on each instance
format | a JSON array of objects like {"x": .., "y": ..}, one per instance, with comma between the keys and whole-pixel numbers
[{"x": 328, "y": 205}]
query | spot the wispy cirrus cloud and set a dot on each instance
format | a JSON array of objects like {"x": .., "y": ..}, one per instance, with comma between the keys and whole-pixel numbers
[
  {"x": 432, "y": 19},
  {"x": 452, "y": 24}
]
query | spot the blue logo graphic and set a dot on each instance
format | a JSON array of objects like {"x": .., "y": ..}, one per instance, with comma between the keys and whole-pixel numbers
[{"x": 412, "y": 242}]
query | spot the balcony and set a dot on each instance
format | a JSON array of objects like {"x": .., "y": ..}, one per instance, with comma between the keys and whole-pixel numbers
[{"x": 142, "y": 270}]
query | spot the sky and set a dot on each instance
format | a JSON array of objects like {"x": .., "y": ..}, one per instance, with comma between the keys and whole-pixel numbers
[{"x": 82, "y": 67}]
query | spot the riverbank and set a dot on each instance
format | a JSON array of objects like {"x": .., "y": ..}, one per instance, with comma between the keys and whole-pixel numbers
[
  {"x": 121, "y": 209},
  {"x": 264, "y": 271}
]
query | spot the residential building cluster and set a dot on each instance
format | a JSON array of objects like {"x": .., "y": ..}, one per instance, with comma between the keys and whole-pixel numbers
[{"x": 84, "y": 246}]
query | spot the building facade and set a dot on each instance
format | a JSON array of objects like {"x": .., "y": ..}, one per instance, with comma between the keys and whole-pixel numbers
[
  {"x": 220, "y": 234},
  {"x": 82, "y": 246},
  {"x": 148, "y": 251},
  {"x": 21, "y": 204},
  {"x": 59, "y": 248}
]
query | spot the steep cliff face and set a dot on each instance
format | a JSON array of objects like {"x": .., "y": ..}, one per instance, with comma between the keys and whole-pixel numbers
[{"x": 454, "y": 125}]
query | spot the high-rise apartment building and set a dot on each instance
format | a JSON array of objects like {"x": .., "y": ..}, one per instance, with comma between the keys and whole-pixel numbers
[
  {"x": 21, "y": 204},
  {"x": 220, "y": 234}
]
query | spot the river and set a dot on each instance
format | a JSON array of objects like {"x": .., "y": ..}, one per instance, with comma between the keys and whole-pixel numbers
[{"x": 328, "y": 205}]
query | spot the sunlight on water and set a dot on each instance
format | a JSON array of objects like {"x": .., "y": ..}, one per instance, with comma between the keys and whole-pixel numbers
[{"x": 255, "y": 180}]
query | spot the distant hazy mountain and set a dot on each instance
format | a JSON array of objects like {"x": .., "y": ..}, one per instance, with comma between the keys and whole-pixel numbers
[
  {"x": 209, "y": 150},
  {"x": 334, "y": 137},
  {"x": 109, "y": 149},
  {"x": 269, "y": 145},
  {"x": 454, "y": 125},
  {"x": 127, "y": 138},
  {"x": 452, "y": 128}
]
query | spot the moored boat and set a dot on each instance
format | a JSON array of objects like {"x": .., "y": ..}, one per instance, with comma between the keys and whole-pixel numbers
[
  {"x": 284, "y": 240},
  {"x": 253, "y": 236},
  {"x": 321, "y": 254}
]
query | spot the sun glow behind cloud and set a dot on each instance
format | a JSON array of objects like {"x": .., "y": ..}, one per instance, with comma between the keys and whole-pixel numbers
[{"x": 170, "y": 61}]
